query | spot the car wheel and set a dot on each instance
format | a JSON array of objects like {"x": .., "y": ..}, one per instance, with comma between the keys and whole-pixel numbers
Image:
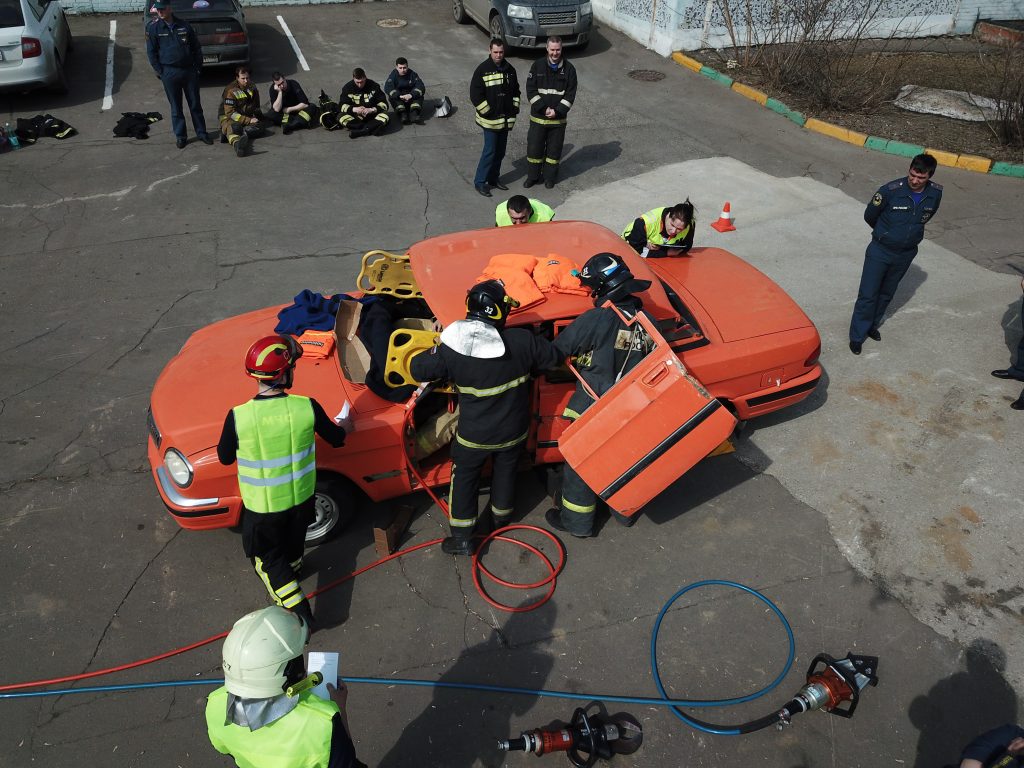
[
  {"x": 334, "y": 508},
  {"x": 497, "y": 27},
  {"x": 459, "y": 12},
  {"x": 60, "y": 85}
]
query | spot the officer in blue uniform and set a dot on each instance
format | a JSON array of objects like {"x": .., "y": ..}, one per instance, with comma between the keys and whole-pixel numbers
[
  {"x": 174, "y": 53},
  {"x": 897, "y": 214}
]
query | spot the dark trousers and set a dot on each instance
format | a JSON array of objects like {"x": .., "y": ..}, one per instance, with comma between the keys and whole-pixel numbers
[
  {"x": 878, "y": 282},
  {"x": 292, "y": 121},
  {"x": 467, "y": 464},
  {"x": 578, "y": 503},
  {"x": 178, "y": 81},
  {"x": 1018, "y": 365},
  {"x": 274, "y": 542},
  {"x": 544, "y": 150},
  {"x": 489, "y": 167}
]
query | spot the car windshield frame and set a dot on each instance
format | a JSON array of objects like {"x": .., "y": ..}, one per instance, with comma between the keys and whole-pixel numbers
[
  {"x": 686, "y": 318},
  {"x": 11, "y": 14}
]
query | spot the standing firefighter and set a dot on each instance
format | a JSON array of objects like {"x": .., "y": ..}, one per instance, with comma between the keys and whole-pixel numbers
[
  {"x": 494, "y": 91},
  {"x": 254, "y": 720},
  {"x": 490, "y": 368},
  {"x": 272, "y": 437},
  {"x": 603, "y": 349},
  {"x": 551, "y": 89}
]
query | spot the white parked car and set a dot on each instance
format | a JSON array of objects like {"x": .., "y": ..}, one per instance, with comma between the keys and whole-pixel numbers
[{"x": 34, "y": 42}]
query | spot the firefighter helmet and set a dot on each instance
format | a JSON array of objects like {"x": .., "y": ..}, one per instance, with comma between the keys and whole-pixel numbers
[
  {"x": 444, "y": 107},
  {"x": 272, "y": 357},
  {"x": 487, "y": 301},
  {"x": 262, "y": 654},
  {"x": 608, "y": 277}
]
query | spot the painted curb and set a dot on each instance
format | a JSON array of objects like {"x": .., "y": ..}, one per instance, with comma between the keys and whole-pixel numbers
[{"x": 975, "y": 163}]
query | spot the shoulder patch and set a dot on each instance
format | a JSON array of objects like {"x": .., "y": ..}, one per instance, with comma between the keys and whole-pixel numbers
[
  {"x": 935, "y": 185},
  {"x": 877, "y": 199}
]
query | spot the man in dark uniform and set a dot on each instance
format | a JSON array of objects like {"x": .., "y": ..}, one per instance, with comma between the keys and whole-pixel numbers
[
  {"x": 272, "y": 437},
  {"x": 289, "y": 105},
  {"x": 173, "y": 50},
  {"x": 240, "y": 113},
  {"x": 551, "y": 90},
  {"x": 494, "y": 91},
  {"x": 490, "y": 368},
  {"x": 364, "y": 108},
  {"x": 1015, "y": 371},
  {"x": 603, "y": 349},
  {"x": 896, "y": 214},
  {"x": 405, "y": 90},
  {"x": 253, "y": 718},
  {"x": 1002, "y": 747}
]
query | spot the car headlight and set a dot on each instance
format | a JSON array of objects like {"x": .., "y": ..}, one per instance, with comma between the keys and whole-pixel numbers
[
  {"x": 178, "y": 468},
  {"x": 586, "y": 9},
  {"x": 520, "y": 12}
]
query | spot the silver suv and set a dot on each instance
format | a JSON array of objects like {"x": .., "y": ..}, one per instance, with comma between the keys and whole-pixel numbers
[
  {"x": 34, "y": 42},
  {"x": 529, "y": 23}
]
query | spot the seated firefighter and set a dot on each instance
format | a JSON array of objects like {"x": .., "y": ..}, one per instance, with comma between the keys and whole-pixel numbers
[
  {"x": 520, "y": 209},
  {"x": 253, "y": 718},
  {"x": 289, "y": 105},
  {"x": 405, "y": 91},
  {"x": 364, "y": 109},
  {"x": 240, "y": 114}
]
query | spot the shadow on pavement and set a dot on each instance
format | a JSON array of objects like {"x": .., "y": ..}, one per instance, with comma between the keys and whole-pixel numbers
[
  {"x": 962, "y": 706},
  {"x": 459, "y": 728},
  {"x": 1012, "y": 329},
  {"x": 911, "y": 281}
]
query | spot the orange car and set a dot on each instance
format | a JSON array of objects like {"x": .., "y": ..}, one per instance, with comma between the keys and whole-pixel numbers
[{"x": 734, "y": 330}]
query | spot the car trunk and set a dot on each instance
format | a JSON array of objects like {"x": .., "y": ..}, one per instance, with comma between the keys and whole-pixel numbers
[{"x": 12, "y": 26}]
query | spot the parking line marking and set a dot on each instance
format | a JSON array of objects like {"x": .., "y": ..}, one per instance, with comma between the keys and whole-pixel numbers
[
  {"x": 295, "y": 45},
  {"x": 108, "y": 91}
]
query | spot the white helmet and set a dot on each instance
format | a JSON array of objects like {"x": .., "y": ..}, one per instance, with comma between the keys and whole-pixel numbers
[
  {"x": 259, "y": 650},
  {"x": 444, "y": 107}
]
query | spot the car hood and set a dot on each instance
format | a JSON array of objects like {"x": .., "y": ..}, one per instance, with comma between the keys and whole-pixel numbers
[
  {"x": 741, "y": 301},
  {"x": 206, "y": 379}
]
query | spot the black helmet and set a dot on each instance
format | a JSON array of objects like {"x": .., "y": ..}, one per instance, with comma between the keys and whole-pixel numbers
[
  {"x": 487, "y": 301},
  {"x": 608, "y": 277}
]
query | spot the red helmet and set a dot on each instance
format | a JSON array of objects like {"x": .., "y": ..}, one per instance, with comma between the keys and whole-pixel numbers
[{"x": 271, "y": 357}]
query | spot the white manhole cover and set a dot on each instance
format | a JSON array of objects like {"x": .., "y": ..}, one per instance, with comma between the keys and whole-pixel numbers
[{"x": 392, "y": 23}]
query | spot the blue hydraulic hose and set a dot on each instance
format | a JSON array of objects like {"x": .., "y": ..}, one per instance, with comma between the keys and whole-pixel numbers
[{"x": 664, "y": 701}]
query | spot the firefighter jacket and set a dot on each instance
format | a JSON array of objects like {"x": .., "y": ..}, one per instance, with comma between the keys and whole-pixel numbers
[
  {"x": 494, "y": 392},
  {"x": 397, "y": 85},
  {"x": 897, "y": 220},
  {"x": 650, "y": 228},
  {"x": 541, "y": 212},
  {"x": 603, "y": 350},
  {"x": 370, "y": 95},
  {"x": 172, "y": 45},
  {"x": 494, "y": 91},
  {"x": 306, "y": 737},
  {"x": 239, "y": 105},
  {"x": 554, "y": 87}
]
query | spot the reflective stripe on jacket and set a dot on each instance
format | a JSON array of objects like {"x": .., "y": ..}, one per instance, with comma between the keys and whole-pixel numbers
[
  {"x": 276, "y": 452},
  {"x": 494, "y": 92},
  {"x": 554, "y": 88},
  {"x": 653, "y": 227},
  {"x": 300, "y": 739}
]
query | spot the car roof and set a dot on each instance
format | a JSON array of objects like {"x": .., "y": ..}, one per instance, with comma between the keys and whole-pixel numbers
[{"x": 447, "y": 266}]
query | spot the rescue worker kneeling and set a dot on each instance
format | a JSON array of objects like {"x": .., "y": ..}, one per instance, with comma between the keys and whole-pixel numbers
[
  {"x": 490, "y": 368},
  {"x": 240, "y": 114},
  {"x": 253, "y": 719},
  {"x": 273, "y": 439},
  {"x": 520, "y": 209},
  {"x": 603, "y": 350}
]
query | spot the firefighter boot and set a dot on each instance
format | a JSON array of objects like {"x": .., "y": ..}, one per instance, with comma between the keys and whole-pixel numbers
[
  {"x": 459, "y": 543},
  {"x": 241, "y": 145},
  {"x": 416, "y": 116}
]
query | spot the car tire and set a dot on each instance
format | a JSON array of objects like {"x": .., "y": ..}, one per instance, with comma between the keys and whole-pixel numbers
[
  {"x": 335, "y": 502},
  {"x": 497, "y": 27},
  {"x": 459, "y": 12}
]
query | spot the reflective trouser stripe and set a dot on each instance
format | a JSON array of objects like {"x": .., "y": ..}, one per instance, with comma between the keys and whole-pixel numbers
[
  {"x": 500, "y": 512},
  {"x": 552, "y": 161},
  {"x": 296, "y": 565},
  {"x": 457, "y": 522},
  {"x": 487, "y": 447},
  {"x": 583, "y": 509}
]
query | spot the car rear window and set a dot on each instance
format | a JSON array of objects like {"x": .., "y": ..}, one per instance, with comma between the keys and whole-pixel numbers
[{"x": 10, "y": 14}]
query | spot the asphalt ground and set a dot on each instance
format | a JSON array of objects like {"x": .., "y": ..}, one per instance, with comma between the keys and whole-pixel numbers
[{"x": 879, "y": 516}]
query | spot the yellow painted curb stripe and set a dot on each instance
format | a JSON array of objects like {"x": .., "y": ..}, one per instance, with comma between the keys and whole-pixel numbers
[
  {"x": 836, "y": 132},
  {"x": 974, "y": 163},
  {"x": 750, "y": 93},
  {"x": 943, "y": 157},
  {"x": 686, "y": 61}
]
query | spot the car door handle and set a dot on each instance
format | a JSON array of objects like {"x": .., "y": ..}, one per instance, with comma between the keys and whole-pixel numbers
[{"x": 653, "y": 376}]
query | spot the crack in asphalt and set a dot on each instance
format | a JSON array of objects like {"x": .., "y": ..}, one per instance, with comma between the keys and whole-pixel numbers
[
  {"x": 290, "y": 257},
  {"x": 415, "y": 591},
  {"x": 105, "y": 243},
  {"x": 426, "y": 190},
  {"x": 44, "y": 334}
]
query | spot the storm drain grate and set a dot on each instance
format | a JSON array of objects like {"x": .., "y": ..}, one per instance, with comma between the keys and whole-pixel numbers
[
  {"x": 647, "y": 75},
  {"x": 391, "y": 23}
]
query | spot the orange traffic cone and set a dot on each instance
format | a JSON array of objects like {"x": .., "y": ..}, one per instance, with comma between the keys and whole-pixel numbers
[{"x": 724, "y": 223}]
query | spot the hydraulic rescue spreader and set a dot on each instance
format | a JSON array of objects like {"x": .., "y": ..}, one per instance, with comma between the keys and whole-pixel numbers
[{"x": 831, "y": 683}]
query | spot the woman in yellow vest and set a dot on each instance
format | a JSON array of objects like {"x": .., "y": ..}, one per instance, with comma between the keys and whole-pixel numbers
[
  {"x": 666, "y": 231},
  {"x": 253, "y": 718},
  {"x": 272, "y": 437}
]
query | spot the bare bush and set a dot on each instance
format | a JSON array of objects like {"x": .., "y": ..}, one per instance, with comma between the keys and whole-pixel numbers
[{"x": 1008, "y": 124}]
